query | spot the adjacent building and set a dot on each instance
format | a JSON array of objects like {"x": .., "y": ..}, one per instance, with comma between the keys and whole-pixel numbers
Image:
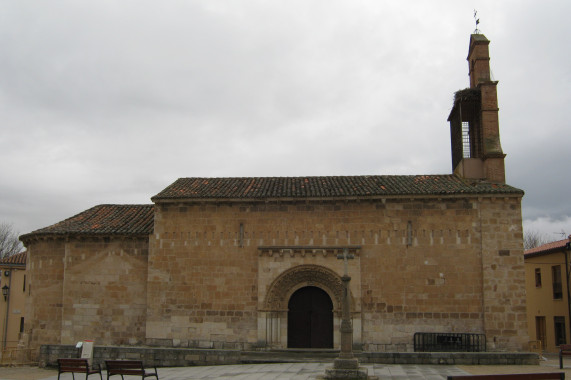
[
  {"x": 246, "y": 263},
  {"x": 13, "y": 283},
  {"x": 547, "y": 287}
]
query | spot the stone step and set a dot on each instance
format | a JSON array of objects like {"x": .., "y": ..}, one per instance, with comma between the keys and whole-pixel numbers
[{"x": 289, "y": 356}]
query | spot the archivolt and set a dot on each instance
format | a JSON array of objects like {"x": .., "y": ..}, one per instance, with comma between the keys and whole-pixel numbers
[{"x": 298, "y": 277}]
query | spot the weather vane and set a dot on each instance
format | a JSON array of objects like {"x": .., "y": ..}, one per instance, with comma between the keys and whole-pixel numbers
[{"x": 476, "y": 31}]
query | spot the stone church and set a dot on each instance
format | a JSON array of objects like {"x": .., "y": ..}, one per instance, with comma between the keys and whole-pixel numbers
[{"x": 252, "y": 263}]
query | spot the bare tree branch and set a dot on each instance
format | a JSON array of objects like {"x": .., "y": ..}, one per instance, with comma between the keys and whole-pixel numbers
[
  {"x": 9, "y": 242},
  {"x": 534, "y": 238}
]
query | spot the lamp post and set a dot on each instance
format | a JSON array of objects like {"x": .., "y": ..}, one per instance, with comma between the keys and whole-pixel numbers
[{"x": 6, "y": 294}]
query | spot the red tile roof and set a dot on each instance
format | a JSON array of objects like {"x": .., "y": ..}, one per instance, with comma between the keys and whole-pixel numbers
[
  {"x": 107, "y": 220},
  {"x": 17, "y": 259},
  {"x": 555, "y": 246},
  {"x": 103, "y": 220},
  {"x": 327, "y": 187}
]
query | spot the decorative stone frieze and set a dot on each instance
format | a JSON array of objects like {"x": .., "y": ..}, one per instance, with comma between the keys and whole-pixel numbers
[{"x": 303, "y": 251}]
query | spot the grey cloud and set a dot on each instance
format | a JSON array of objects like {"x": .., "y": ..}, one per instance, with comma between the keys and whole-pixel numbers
[{"x": 110, "y": 102}]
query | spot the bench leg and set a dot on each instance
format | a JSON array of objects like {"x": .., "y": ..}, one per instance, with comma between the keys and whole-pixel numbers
[
  {"x": 59, "y": 374},
  {"x": 560, "y": 361}
]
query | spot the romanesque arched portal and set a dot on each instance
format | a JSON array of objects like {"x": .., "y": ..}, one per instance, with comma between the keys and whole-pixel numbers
[{"x": 275, "y": 314}]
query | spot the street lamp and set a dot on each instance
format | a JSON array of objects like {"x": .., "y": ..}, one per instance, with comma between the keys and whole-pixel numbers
[{"x": 5, "y": 291}]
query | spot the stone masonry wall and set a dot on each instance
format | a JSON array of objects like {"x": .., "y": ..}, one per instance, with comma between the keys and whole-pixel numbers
[
  {"x": 87, "y": 289},
  {"x": 202, "y": 286},
  {"x": 503, "y": 275},
  {"x": 104, "y": 291},
  {"x": 184, "y": 357},
  {"x": 425, "y": 280},
  {"x": 45, "y": 286},
  {"x": 424, "y": 265},
  {"x": 420, "y": 267}
]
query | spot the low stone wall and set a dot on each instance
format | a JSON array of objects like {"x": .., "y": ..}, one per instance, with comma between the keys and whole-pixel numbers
[
  {"x": 183, "y": 357},
  {"x": 151, "y": 356},
  {"x": 453, "y": 358}
]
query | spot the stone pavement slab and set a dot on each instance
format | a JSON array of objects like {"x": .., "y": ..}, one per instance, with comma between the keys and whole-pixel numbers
[
  {"x": 305, "y": 371},
  {"x": 293, "y": 371},
  {"x": 26, "y": 373}
]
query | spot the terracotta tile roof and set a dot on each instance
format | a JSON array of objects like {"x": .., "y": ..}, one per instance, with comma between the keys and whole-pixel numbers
[
  {"x": 327, "y": 187},
  {"x": 17, "y": 259},
  {"x": 103, "y": 220},
  {"x": 555, "y": 246}
]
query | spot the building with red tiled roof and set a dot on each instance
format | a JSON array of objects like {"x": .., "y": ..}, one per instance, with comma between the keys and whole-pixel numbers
[
  {"x": 252, "y": 263},
  {"x": 13, "y": 300},
  {"x": 547, "y": 274}
]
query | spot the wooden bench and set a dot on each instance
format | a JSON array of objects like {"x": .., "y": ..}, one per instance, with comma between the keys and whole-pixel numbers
[
  {"x": 512, "y": 376},
  {"x": 77, "y": 366},
  {"x": 564, "y": 349},
  {"x": 128, "y": 367}
]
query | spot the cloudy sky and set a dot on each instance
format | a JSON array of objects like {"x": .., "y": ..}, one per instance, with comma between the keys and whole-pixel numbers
[{"x": 111, "y": 101}]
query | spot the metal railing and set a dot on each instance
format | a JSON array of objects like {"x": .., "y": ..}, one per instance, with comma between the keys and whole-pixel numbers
[{"x": 449, "y": 342}]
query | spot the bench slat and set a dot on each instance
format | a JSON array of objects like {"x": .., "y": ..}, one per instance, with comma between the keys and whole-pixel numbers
[
  {"x": 77, "y": 366},
  {"x": 128, "y": 367},
  {"x": 564, "y": 350}
]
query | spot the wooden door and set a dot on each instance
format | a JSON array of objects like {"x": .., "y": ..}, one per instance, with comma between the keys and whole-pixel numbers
[{"x": 310, "y": 319}]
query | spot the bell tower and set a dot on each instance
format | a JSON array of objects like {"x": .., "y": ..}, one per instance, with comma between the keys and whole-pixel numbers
[{"x": 474, "y": 126}]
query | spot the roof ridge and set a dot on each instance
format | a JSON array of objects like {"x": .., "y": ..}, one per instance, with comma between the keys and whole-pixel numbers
[{"x": 327, "y": 187}]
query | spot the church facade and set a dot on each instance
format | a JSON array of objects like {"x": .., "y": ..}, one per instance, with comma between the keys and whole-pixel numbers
[{"x": 253, "y": 263}]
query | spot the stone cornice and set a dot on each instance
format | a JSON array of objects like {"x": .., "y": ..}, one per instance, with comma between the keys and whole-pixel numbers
[
  {"x": 66, "y": 237},
  {"x": 311, "y": 201}
]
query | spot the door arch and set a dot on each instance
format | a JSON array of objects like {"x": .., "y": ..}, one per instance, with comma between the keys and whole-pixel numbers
[{"x": 310, "y": 319}]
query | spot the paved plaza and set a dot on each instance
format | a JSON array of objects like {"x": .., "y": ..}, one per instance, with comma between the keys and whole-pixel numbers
[
  {"x": 301, "y": 371},
  {"x": 297, "y": 371}
]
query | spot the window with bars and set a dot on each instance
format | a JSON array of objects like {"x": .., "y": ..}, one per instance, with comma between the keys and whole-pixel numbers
[
  {"x": 538, "y": 277},
  {"x": 559, "y": 324},
  {"x": 466, "y": 140}
]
